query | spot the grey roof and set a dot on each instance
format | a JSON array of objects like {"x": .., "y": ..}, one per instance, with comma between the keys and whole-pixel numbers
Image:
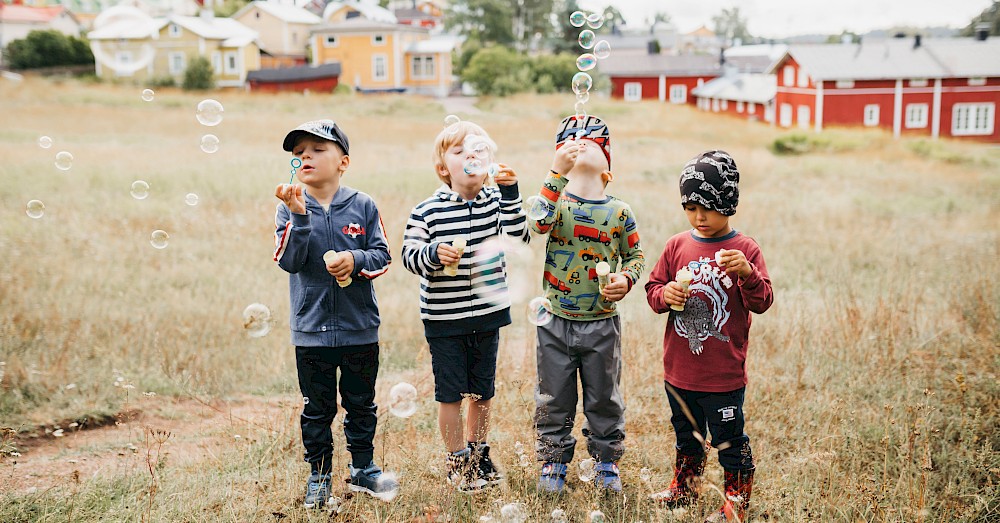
[
  {"x": 757, "y": 88},
  {"x": 634, "y": 64},
  {"x": 898, "y": 58},
  {"x": 750, "y": 63},
  {"x": 295, "y": 74},
  {"x": 361, "y": 25}
]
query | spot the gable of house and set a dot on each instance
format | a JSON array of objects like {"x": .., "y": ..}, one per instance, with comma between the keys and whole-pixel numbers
[
  {"x": 16, "y": 21},
  {"x": 283, "y": 29},
  {"x": 371, "y": 54}
]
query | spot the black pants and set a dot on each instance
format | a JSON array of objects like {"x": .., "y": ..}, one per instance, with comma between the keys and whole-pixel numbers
[
  {"x": 317, "y": 369},
  {"x": 718, "y": 412}
]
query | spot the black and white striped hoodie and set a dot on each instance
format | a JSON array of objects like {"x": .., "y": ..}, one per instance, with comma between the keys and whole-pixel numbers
[{"x": 480, "y": 287}]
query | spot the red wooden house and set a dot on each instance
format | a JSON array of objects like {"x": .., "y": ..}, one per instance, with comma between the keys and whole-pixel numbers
[
  {"x": 321, "y": 79},
  {"x": 932, "y": 87},
  {"x": 639, "y": 75}
]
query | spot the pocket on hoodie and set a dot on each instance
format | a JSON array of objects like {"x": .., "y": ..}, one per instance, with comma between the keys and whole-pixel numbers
[{"x": 310, "y": 310}]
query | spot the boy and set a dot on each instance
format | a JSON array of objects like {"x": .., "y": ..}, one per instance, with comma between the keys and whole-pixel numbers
[
  {"x": 705, "y": 345},
  {"x": 334, "y": 314},
  {"x": 462, "y": 323},
  {"x": 585, "y": 227}
]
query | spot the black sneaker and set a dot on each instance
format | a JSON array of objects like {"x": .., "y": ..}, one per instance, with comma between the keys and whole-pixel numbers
[
  {"x": 370, "y": 480},
  {"x": 463, "y": 474},
  {"x": 486, "y": 468},
  {"x": 317, "y": 490}
]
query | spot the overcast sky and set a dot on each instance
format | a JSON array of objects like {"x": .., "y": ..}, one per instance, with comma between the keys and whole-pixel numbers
[{"x": 780, "y": 18}]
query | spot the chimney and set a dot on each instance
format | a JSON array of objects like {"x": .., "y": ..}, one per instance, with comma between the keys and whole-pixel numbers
[
  {"x": 916, "y": 41},
  {"x": 982, "y": 31},
  {"x": 207, "y": 11},
  {"x": 653, "y": 46}
]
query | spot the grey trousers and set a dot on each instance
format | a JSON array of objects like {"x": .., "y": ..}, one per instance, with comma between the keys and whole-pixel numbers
[{"x": 591, "y": 349}]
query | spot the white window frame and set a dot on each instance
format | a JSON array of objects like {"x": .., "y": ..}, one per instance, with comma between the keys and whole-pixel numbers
[
  {"x": 871, "y": 115},
  {"x": 701, "y": 82},
  {"x": 422, "y": 67},
  {"x": 174, "y": 31},
  {"x": 725, "y": 105},
  {"x": 331, "y": 41},
  {"x": 176, "y": 62},
  {"x": 803, "y": 114},
  {"x": 803, "y": 80},
  {"x": 632, "y": 91},
  {"x": 378, "y": 39},
  {"x": 844, "y": 84},
  {"x": 918, "y": 82},
  {"x": 973, "y": 119},
  {"x": 230, "y": 62},
  {"x": 377, "y": 61},
  {"x": 739, "y": 106},
  {"x": 916, "y": 116},
  {"x": 977, "y": 81},
  {"x": 678, "y": 94},
  {"x": 217, "y": 62},
  {"x": 785, "y": 115},
  {"x": 751, "y": 108},
  {"x": 788, "y": 76},
  {"x": 715, "y": 105}
]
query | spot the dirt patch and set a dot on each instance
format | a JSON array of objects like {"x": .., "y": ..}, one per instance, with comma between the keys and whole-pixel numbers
[{"x": 188, "y": 430}]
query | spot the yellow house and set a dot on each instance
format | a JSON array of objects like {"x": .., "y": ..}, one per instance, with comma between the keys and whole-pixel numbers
[
  {"x": 283, "y": 29},
  {"x": 379, "y": 56},
  {"x": 164, "y": 47}
]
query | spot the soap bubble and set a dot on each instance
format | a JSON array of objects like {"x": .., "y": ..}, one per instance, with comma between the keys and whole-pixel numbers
[
  {"x": 577, "y": 19},
  {"x": 524, "y": 460},
  {"x": 450, "y": 122},
  {"x": 536, "y": 207},
  {"x": 518, "y": 448},
  {"x": 596, "y": 516},
  {"x": 581, "y": 112},
  {"x": 493, "y": 258},
  {"x": 559, "y": 516},
  {"x": 210, "y": 143},
  {"x": 35, "y": 209},
  {"x": 147, "y": 95},
  {"x": 645, "y": 474},
  {"x": 586, "y": 62},
  {"x": 64, "y": 160},
  {"x": 602, "y": 50},
  {"x": 595, "y": 20},
  {"x": 159, "y": 239},
  {"x": 209, "y": 112},
  {"x": 587, "y": 470},
  {"x": 586, "y": 39},
  {"x": 385, "y": 480},
  {"x": 191, "y": 199},
  {"x": 139, "y": 190},
  {"x": 257, "y": 320},
  {"x": 473, "y": 167},
  {"x": 582, "y": 82},
  {"x": 45, "y": 142},
  {"x": 403, "y": 400},
  {"x": 493, "y": 170},
  {"x": 539, "y": 311},
  {"x": 514, "y": 513}
]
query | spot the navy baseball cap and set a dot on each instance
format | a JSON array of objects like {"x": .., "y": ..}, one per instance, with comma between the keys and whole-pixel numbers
[{"x": 326, "y": 129}]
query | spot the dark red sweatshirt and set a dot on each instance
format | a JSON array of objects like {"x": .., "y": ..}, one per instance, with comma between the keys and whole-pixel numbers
[{"x": 705, "y": 346}]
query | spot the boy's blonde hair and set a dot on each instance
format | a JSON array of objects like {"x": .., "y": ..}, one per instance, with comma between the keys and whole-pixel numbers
[{"x": 453, "y": 135}]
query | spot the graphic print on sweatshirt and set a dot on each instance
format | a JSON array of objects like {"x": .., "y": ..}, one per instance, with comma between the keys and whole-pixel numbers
[{"x": 705, "y": 312}]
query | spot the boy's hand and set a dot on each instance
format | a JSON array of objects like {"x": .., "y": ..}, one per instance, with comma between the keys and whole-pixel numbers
[
  {"x": 674, "y": 294},
  {"x": 447, "y": 254},
  {"x": 506, "y": 175},
  {"x": 617, "y": 287},
  {"x": 342, "y": 266},
  {"x": 735, "y": 261},
  {"x": 565, "y": 158},
  {"x": 292, "y": 196}
]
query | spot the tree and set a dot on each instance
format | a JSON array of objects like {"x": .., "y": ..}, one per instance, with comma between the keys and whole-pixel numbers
[
  {"x": 613, "y": 21},
  {"x": 990, "y": 16},
  {"x": 199, "y": 75},
  {"x": 730, "y": 24},
  {"x": 498, "y": 71},
  {"x": 48, "y": 48},
  {"x": 500, "y": 22},
  {"x": 565, "y": 37}
]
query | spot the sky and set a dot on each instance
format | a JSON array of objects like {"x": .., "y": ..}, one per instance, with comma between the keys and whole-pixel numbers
[{"x": 781, "y": 18}]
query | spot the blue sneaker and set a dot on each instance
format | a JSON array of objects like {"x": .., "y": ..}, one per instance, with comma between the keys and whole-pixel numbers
[
  {"x": 553, "y": 478},
  {"x": 607, "y": 476},
  {"x": 317, "y": 490},
  {"x": 370, "y": 480}
]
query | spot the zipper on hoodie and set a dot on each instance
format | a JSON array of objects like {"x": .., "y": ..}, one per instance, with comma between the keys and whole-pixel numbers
[{"x": 333, "y": 291}]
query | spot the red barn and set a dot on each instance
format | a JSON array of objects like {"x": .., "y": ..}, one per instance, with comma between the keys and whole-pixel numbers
[
  {"x": 931, "y": 87},
  {"x": 321, "y": 79},
  {"x": 651, "y": 76},
  {"x": 744, "y": 95}
]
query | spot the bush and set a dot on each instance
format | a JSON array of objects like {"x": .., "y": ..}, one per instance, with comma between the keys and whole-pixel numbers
[
  {"x": 199, "y": 75},
  {"x": 343, "y": 90},
  {"x": 48, "y": 48},
  {"x": 498, "y": 71},
  {"x": 161, "y": 81},
  {"x": 552, "y": 73}
]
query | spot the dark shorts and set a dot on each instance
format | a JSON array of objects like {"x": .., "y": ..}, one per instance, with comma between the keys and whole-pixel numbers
[{"x": 464, "y": 365}]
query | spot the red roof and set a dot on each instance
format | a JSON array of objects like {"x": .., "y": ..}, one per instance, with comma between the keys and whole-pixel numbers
[{"x": 24, "y": 13}]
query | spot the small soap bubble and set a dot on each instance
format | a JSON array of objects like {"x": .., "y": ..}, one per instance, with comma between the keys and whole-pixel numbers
[
  {"x": 210, "y": 143},
  {"x": 595, "y": 20},
  {"x": 191, "y": 199},
  {"x": 536, "y": 207},
  {"x": 450, "y": 122},
  {"x": 494, "y": 258},
  {"x": 587, "y": 470},
  {"x": 45, "y": 142},
  {"x": 581, "y": 112},
  {"x": 559, "y": 516},
  {"x": 147, "y": 95},
  {"x": 539, "y": 311},
  {"x": 403, "y": 400},
  {"x": 583, "y": 97},
  {"x": 473, "y": 167},
  {"x": 257, "y": 320},
  {"x": 64, "y": 160},
  {"x": 159, "y": 239},
  {"x": 35, "y": 209},
  {"x": 514, "y": 513},
  {"x": 518, "y": 448},
  {"x": 524, "y": 461},
  {"x": 139, "y": 190},
  {"x": 602, "y": 50},
  {"x": 582, "y": 82},
  {"x": 586, "y": 62},
  {"x": 209, "y": 112},
  {"x": 586, "y": 39},
  {"x": 597, "y": 516},
  {"x": 645, "y": 474},
  {"x": 493, "y": 170},
  {"x": 577, "y": 19}
]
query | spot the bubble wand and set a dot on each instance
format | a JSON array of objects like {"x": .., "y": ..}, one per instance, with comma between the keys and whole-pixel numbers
[{"x": 296, "y": 163}]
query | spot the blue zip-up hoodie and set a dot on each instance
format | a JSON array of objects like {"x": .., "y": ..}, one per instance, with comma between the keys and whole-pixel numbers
[{"x": 322, "y": 313}]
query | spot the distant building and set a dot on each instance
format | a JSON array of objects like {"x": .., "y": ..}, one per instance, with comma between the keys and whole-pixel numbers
[
  {"x": 16, "y": 21},
  {"x": 655, "y": 76},
  {"x": 319, "y": 79},
  {"x": 283, "y": 28}
]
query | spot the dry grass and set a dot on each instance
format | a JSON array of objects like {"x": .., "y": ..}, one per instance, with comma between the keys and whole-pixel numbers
[{"x": 873, "y": 393}]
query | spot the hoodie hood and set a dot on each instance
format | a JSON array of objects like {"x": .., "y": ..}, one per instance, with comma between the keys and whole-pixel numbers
[{"x": 343, "y": 197}]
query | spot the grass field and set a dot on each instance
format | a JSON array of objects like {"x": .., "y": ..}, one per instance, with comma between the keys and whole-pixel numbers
[{"x": 873, "y": 392}]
